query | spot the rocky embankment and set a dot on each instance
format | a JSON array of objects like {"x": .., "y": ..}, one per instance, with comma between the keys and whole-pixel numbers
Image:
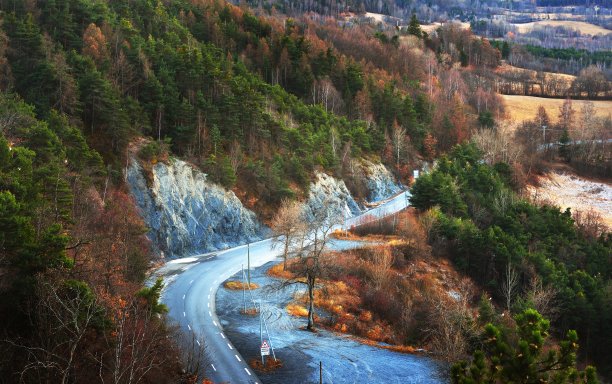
[
  {"x": 380, "y": 182},
  {"x": 187, "y": 214}
]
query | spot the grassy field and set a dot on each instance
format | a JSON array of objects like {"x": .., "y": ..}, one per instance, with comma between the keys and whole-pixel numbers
[
  {"x": 429, "y": 28},
  {"x": 519, "y": 108},
  {"x": 583, "y": 27}
]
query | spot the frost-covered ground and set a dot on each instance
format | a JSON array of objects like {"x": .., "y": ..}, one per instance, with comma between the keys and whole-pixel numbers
[
  {"x": 344, "y": 360},
  {"x": 571, "y": 191}
]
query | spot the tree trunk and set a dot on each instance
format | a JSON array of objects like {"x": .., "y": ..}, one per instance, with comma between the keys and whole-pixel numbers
[
  {"x": 311, "y": 284},
  {"x": 285, "y": 253}
]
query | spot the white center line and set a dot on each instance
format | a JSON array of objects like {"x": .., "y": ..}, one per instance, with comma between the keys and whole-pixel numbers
[
  {"x": 189, "y": 326},
  {"x": 222, "y": 335},
  {"x": 208, "y": 304},
  {"x": 183, "y": 314},
  {"x": 198, "y": 341},
  {"x": 210, "y": 290},
  {"x": 230, "y": 346},
  {"x": 214, "y": 368},
  {"x": 247, "y": 371},
  {"x": 209, "y": 314},
  {"x": 215, "y": 323},
  {"x": 209, "y": 297},
  {"x": 237, "y": 357},
  {"x": 191, "y": 282},
  {"x": 183, "y": 297}
]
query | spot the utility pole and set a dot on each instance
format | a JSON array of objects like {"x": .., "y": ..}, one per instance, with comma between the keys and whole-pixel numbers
[
  {"x": 243, "y": 290},
  {"x": 263, "y": 362},
  {"x": 249, "y": 263},
  {"x": 320, "y": 372}
]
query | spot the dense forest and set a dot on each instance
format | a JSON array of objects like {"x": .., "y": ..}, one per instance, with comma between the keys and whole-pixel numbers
[{"x": 507, "y": 244}]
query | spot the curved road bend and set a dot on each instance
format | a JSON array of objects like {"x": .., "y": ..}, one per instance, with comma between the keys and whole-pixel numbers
[{"x": 192, "y": 282}]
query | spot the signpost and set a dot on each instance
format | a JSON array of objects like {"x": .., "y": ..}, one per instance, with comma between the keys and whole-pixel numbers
[{"x": 265, "y": 348}]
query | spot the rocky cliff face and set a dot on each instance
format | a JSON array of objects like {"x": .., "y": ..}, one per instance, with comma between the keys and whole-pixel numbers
[
  {"x": 187, "y": 214},
  {"x": 380, "y": 182},
  {"x": 332, "y": 194}
]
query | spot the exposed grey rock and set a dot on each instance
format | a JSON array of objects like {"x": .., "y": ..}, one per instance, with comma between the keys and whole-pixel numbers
[
  {"x": 380, "y": 182},
  {"x": 186, "y": 214},
  {"x": 332, "y": 193}
]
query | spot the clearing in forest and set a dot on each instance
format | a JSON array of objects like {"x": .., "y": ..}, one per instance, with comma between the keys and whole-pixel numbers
[
  {"x": 581, "y": 26},
  {"x": 520, "y": 108}
]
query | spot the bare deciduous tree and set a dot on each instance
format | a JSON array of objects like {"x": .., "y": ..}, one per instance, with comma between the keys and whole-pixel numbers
[
  {"x": 510, "y": 285},
  {"x": 288, "y": 226},
  {"x": 64, "y": 312},
  {"x": 310, "y": 265},
  {"x": 451, "y": 324},
  {"x": 380, "y": 266},
  {"x": 543, "y": 298},
  {"x": 499, "y": 144}
]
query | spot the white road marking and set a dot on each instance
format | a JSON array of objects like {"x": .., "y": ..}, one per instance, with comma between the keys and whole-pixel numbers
[
  {"x": 209, "y": 314},
  {"x": 208, "y": 297},
  {"x": 247, "y": 371},
  {"x": 214, "y": 368},
  {"x": 183, "y": 297},
  {"x": 189, "y": 326},
  {"x": 230, "y": 346},
  {"x": 237, "y": 357},
  {"x": 222, "y": 335},
  {"x": 215, "y": 323},
  {"x": 191, "y": 282},
  {"x": 184, "y": 314},
  {"x": 198, "y": 341},
  {"x": 210, "y": 290},
  {"x": 208, "y": 304}
]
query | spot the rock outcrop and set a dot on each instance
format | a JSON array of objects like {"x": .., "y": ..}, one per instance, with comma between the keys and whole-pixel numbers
[
  {"x": 380, "y": 182},
  {"x": 187, "y": 214},
  {"x": 331, "y": 194}
]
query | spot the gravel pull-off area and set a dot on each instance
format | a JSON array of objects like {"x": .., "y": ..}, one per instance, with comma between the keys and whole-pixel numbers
[{"x": 571, "y": 191}]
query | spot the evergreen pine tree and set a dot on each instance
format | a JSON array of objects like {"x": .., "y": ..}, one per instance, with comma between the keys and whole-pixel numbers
[{"x": 414, "y": 28}]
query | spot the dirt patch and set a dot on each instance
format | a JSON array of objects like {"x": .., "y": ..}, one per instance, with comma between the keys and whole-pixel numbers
[{"x": 570, "y": 191}]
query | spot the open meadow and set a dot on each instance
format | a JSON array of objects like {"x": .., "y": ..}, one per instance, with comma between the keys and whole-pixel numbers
[
  {"x": 583, "y": 27},
  {"x": 520, "y": 108}
]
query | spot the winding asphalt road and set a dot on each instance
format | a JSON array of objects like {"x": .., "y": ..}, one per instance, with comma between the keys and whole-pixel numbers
[{"x": 192, "y": 282}]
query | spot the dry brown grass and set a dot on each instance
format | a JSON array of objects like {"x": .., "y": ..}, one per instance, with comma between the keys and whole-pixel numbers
[
  {"x": 348, "y": 235},
  {"x": 239, "y": 285},
  {"x": 521, "y": 108},
  {"x": 297, "y": 310},
  {"x": 250, "y": 311},
  {"x": 583, "y": 27},
  {"x": 280, "y": 273},
  {"x": 271, "y": 364}
]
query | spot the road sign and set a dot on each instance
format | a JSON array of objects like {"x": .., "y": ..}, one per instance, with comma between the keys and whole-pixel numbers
[{"x": 265, "y": 348}]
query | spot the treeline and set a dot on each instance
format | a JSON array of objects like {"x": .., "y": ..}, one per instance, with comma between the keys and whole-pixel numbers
[
  {"x": 507, "y": 244},
  {"x": 576, "y": 58}
]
